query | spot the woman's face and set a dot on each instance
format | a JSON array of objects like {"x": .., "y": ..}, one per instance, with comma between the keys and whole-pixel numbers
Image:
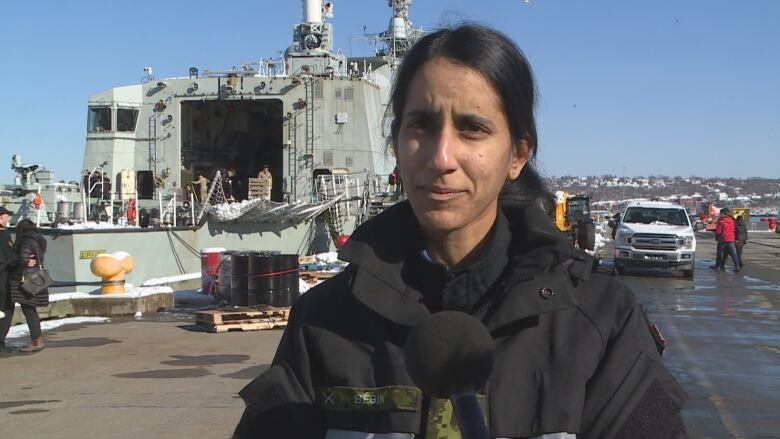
[{"x": 454, "y": 148}]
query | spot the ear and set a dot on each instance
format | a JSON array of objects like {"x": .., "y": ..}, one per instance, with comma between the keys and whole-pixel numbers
[{"x": 519, "y": 158}]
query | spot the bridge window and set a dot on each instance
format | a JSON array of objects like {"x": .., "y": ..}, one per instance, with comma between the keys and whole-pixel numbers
[
  {"x": 126, "y": 119},
  {"x": 99, "y": 119}
]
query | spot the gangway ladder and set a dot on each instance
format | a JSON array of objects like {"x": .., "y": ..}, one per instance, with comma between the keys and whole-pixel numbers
[
  {"x": 309, "y": 86},
  {"x": 292, "y": 155},
  {"x": 153, "y": 143}
]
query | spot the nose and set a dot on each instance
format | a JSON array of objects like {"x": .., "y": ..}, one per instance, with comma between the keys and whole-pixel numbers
[{"x": 442, "y": 159}]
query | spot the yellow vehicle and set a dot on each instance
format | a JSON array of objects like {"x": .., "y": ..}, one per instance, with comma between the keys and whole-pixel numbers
[
  {"x": 744, "y": 212},
  {"x": 572, "y": 216}
]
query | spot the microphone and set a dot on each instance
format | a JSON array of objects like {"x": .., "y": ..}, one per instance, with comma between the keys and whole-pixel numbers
[{"x": 450, "y": 355}]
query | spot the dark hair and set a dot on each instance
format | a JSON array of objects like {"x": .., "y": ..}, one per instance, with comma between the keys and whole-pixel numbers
[
  {"x": 494, "y": 56},
  {"x": 25, "y": 226}
]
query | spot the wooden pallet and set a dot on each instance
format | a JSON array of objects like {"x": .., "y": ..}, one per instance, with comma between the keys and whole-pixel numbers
[
  {"x": 248, "y": 326},
  {"x": 317, "y": 275},
  {"x": 258, "y": 187},
  {"x": 242, "y": 319}
]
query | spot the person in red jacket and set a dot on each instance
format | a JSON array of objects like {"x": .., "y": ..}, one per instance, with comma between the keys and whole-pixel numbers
[{"x": 726, "y": 235}]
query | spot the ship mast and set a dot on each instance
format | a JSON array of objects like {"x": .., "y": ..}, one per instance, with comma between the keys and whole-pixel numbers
[
  {"x": 400, "y": 35},
  {"x": 311, "y": 35},
  {"x": 311, "y": 52}
]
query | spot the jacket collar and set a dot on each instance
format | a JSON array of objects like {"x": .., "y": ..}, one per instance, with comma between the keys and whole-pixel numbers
[
  {"x": 459, "y": 289},
  {"x": 382, "y": 246}
]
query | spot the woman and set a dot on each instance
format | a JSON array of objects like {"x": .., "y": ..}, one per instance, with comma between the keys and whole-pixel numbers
[
  {"x": 740, "y": 238},
  {"x": 30, "y": 247},
  {"x": 574, "y": 356}
]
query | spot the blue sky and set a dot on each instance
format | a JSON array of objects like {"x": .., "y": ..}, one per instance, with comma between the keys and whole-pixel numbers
[{"x": 653, "y": 87}]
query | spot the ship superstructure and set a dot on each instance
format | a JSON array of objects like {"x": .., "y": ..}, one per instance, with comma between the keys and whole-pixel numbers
[
  {"x": 317, "y": 118},
  {"x": 310, "y": 113}
]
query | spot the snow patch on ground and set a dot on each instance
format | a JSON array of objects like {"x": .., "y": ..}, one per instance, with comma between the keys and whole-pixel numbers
[
  {"x": 599, "y": 243},
  {"x": 21, "y": 330}
]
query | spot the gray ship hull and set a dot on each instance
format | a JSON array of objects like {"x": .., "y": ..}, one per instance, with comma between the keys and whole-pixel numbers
[{"x": 166, "y": 252}]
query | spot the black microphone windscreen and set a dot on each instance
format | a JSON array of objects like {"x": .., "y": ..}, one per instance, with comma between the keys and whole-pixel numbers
[{"x": 449, "y": 351}]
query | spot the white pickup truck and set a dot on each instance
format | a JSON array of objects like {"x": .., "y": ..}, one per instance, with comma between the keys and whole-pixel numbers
[{"x": 654, "y": 234}]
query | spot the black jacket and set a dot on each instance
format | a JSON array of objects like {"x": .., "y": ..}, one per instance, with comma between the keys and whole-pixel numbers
[
  {"x": 28, "y": 245},
  {"x": 573, "y": 349},
  {"x": 740, "y": 231}
]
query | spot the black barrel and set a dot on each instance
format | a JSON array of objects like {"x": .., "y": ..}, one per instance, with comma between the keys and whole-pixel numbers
[
  {"x": 225, "y": 274},
  {"x": 290, "y": 288},
  {"x": 264, "y": 281},
  {"x": 239, "y": 269},
  {"x": 144, "y": 218},
  {"x": 154, "y": 217}
]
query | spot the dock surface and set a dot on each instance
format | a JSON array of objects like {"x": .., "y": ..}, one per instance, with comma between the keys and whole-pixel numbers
[{"x": 158, "y": 377}]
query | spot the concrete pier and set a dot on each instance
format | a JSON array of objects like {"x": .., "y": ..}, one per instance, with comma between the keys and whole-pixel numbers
[{"x": 157, "y": 377}]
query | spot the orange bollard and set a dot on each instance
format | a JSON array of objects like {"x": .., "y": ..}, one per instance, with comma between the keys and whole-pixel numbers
[{"x": 112, "y": 268}]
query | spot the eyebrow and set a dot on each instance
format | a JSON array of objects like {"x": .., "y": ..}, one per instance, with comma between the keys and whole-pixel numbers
[
  {"x": 463, "y": 117},
  {"x": 475, "y": 118}
]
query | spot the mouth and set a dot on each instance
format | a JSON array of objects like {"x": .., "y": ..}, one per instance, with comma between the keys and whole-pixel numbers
[{"x": 440, "y": 193}]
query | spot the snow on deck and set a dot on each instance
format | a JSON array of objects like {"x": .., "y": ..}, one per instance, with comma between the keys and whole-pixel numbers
[
  {"x": 91, "y": 225},
  {"x": 131, "y": 292}
]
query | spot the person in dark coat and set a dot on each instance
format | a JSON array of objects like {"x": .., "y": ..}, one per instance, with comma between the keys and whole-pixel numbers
[
  {"x": 7, "y": 261},
  {"x": 740, "y": 238},
  {"x": 231, "y": 185},
  {"x": 614, "y": 223},
  {"x": 573, "y": 352},
  {"x": 105, "y": 187},
  {"x": 30, "y": 248}
]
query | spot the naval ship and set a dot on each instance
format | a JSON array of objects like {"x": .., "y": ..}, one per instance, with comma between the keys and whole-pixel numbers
[{"x": 315, "y": 117}]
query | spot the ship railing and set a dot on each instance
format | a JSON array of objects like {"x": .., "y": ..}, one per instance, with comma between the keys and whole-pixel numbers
[
  {"x": 170, "y": 210},
  {"x": 380, "y": 184},
  {"x": 352, "y": 185},
  {"x": 263, "y": 68},
  {"x": 117, "y": 208},
  {"x": 344, "y": 185}
]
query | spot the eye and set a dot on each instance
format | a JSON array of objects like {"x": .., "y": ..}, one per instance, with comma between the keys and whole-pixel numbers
[
  {"x": 473, "y": 129},
  {"x": 418, "y": 123}
]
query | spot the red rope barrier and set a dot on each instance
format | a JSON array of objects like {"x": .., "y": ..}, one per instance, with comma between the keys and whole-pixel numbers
[{"x": 275, "y": 273}]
